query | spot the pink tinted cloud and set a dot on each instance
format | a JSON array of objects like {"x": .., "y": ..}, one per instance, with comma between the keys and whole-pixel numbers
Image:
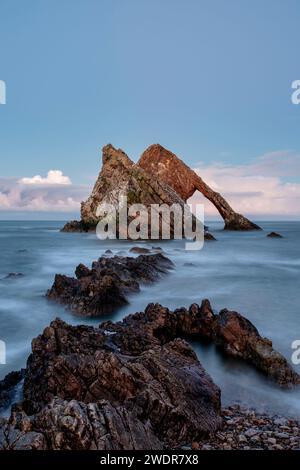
[{"x": 260, "y": 188}]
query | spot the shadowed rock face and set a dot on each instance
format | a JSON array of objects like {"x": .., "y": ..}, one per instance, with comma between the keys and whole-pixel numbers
[
  {"x": 234, "y": 334},
  {"x": 167, "y": 167},
  {"x": 134, "y": 384},
  {"x": 120, "y": 177},
  {"x": 84, "y": 390}
]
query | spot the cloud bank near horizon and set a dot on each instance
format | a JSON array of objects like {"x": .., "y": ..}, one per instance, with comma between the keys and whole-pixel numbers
[
  {"x": 263, "y": 188},
  {"x": 53, "y": 193}
]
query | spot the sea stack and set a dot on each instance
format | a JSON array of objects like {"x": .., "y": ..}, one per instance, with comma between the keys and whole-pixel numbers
[{"x": 159, "y": 177}]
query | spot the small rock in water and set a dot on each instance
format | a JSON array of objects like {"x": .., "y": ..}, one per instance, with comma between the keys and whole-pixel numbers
[
  {"x": 13, "y": 275},
  {"x": 139, "y": 250},
  {"x": 274, "y": 235}
]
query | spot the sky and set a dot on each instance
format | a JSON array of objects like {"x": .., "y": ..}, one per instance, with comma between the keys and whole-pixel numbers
[{"x": 208, "y": 79}]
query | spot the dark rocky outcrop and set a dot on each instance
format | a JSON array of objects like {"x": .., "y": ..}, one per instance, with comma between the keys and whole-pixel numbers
[
  {"x": 105, "y": 286},
  {"x": 135, "y": 384},
  {"x": 231, "y": 332},
  {"x": 158, "y": 178},
  {"x": 238, "y": 337},
  {"x": 13, "y": 275},
  {"x": 209, "y": 236},
  {"x": 274, "y": 235}
]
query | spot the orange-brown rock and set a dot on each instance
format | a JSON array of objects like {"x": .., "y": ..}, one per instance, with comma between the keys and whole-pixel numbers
[
  {"x": 167, "y": 167},
  {"x": 121, "y": 178},
  {"x": 159, "y": 177}
]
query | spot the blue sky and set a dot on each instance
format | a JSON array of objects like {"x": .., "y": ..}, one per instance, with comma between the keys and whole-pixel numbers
[{"x": 208, "y": 79}]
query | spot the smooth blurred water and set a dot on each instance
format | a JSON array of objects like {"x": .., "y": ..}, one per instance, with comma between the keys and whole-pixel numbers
[{"x": 257, "y": 276}]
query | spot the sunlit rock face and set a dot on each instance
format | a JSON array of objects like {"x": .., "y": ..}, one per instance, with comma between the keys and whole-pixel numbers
[{"x": 159, "y": 177}]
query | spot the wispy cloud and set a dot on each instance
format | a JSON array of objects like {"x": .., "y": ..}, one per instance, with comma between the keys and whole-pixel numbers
[
  {"x": 260, "y": 188},
  {"x": 52, "y": 193}
]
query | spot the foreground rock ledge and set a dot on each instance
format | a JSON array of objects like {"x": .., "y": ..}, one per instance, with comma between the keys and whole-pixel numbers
[{"x": 133, "y": 384}]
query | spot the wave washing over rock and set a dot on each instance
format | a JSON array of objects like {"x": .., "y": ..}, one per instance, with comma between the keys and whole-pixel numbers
[{"x": 137, "y": 384}]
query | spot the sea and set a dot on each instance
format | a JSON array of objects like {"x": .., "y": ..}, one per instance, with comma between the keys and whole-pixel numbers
[{"x": 246, "y": 272}]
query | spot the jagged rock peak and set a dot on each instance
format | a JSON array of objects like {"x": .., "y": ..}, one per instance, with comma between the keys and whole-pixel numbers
[
  {"x": 167, "y": 167},
  {"x": 158, "y": 177},
  {"x": 112, "y": 155}
]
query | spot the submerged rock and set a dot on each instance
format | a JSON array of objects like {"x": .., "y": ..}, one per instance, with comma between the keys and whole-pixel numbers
[
  {"x": 274, "y": 235},
  {"x": 105, "y": 286},
  {"x": 139, "y": 250},
  {"x": 208, "y": 236},
  {"x": 238, "y": 337},
  {"x": 83, "y": 391},
  {"x": 79, "y": 226}
]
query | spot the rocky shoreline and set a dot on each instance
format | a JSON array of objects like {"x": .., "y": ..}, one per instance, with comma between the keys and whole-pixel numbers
[
  {"x": 137, "y": 384},
  {"x": 245, "y": 429}
]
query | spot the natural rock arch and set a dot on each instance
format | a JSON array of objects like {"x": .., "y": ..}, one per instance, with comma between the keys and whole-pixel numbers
[
  {"x": 167, "y": 167},
  {"x": 158, "y": 177}
]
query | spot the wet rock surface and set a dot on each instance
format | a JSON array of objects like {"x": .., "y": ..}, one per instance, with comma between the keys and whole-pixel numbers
[
  {"x": 230, "y": 331},
  {"x": 238, "y": 337},
  {"x": 137, "y": 384},
  {"x": 83, "y": 389},
  {"x": 105, "y": 286}
]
